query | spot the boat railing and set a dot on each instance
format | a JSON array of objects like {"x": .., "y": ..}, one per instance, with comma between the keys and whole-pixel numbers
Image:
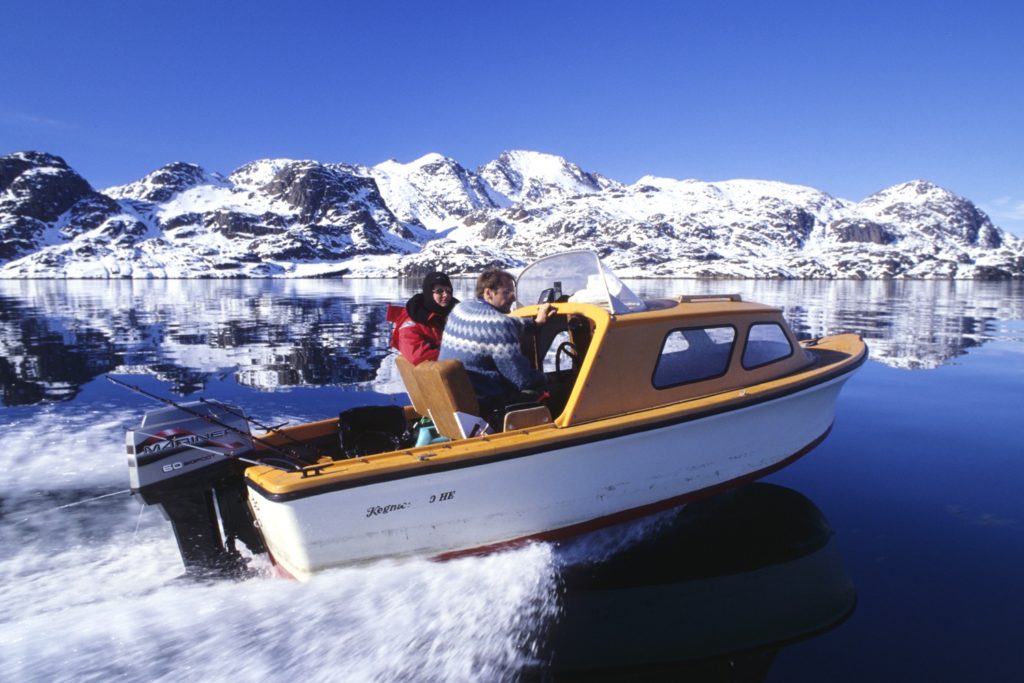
[{"x": 693, "y": 298}]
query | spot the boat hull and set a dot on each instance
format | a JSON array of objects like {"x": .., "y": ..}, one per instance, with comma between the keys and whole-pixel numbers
[{"x": 543, "y": 495}]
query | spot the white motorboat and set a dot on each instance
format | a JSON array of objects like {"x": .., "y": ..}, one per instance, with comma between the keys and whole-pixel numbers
[{"x": 653, "y": 403}]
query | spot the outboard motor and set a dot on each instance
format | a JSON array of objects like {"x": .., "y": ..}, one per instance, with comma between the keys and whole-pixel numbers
[{"x": 185, "y": 459}]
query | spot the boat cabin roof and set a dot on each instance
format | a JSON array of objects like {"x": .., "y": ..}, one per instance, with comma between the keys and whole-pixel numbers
[
  {"x": 673, "y": 351},
  {"x": 634, "y": 354}
]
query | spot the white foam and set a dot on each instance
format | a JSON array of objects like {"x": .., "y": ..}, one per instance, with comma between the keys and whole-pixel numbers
[
  {"x": 55, "y": 448},
  {"x": 466, "y": 620}
]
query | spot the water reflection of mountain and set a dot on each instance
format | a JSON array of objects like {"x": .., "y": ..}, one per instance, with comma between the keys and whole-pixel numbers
[
  {"x": 43, "y": 361},
  {"x": 721, "y": 587},
  {"x": 56, "y": 335}
]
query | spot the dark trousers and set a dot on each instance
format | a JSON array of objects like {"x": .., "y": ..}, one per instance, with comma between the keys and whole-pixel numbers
[{"x": 493, "y": 408}]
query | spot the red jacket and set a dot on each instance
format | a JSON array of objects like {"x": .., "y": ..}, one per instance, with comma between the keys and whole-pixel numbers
[{"x": 415, "y": 341}]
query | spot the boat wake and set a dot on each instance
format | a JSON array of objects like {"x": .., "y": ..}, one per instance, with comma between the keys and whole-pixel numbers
[
  {"x": 599, "y": 545},
  {"x": 91, "y": 589},
  {"x": 468, "y": 619}
]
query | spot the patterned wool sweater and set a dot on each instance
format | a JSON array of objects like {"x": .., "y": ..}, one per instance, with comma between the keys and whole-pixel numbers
[{"x": 487, "y": 342}]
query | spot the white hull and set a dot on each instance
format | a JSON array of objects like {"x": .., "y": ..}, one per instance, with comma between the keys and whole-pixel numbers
[{"x": 562, "y": 490}]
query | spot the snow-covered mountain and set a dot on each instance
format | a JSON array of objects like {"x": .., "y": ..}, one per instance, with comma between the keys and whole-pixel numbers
[{"x": 286, "y": 218}]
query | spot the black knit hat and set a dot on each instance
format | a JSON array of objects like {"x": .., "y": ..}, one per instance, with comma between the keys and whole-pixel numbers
[{"x": 434, "y": 279}]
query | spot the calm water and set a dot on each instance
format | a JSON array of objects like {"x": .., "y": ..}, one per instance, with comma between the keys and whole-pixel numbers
[{"x": 894, "y": 551}]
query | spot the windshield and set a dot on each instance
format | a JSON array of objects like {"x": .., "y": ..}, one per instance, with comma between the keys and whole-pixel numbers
[{"x": 576, "y": 276}]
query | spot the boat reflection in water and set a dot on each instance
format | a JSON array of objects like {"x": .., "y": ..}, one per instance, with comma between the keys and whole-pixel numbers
[{"x": 713, "y": 594}]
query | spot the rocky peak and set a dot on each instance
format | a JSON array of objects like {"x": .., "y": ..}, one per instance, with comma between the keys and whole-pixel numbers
[
  {"x": 911, "y": 192},
  {"x": 38, "y": 191},
  {"x": 13, "y": 165},
  {"x": 433, "y": 191},
  {"x": 315, "y": 190},
  {"x": 256, "y": 174},
  {"x": 534, "y": 177},
  {"x": 434, "y": 172},
  {"x": 41, "y": 186},
  {"x": 165, "y": 182},
  {"x": 932, "y": 210}
]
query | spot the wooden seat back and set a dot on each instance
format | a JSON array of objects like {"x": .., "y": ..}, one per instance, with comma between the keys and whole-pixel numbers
[
  {"x": 412, "y": 386},
  {"x": 446, "y": 390}
]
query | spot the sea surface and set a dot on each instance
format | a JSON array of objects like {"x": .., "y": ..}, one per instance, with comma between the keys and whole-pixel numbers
[{"x": 892, "y": 552}]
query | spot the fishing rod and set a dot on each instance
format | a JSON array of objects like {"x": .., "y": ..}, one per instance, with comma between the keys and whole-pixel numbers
[
  {"x": 291, "y": 458},
  {"x": 266, "y": 428},
  {"x": 231, "y": 454},
  {"x": 75, "y": 504}
]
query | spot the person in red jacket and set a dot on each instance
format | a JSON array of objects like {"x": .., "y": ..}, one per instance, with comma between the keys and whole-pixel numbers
[{"x": 418, "y": 327}]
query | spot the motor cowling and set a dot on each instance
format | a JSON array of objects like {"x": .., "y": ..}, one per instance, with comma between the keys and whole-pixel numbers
[
  {"x": 184, "y": 459},
  {"x": 176, "y": 446}
]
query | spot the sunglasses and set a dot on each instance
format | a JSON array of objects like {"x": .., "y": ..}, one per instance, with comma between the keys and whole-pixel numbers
[{"x": 442, "y": 290}]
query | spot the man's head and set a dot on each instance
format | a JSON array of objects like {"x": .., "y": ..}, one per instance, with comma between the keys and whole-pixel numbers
[{"x": 498, "y": 288}]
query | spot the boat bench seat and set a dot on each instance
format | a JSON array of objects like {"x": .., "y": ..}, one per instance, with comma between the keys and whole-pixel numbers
[
  {"x": 533, "y": 416},
  {"x": 446, "y": 390}
]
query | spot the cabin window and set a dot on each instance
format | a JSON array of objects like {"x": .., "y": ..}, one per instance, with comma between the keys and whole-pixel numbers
[
  {"x": 766, "y": 343},
  {"x": 693, "y": 355}
]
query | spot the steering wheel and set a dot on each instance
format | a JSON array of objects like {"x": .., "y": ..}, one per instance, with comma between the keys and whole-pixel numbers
[{"x": 571, "y": 352}]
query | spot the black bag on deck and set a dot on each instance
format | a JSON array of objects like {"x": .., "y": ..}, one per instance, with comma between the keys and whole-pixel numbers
[{"x": 371, "y": 429}]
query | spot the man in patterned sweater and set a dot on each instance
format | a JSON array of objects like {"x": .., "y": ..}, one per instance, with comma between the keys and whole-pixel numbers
[{"x": 486, "y": 340}]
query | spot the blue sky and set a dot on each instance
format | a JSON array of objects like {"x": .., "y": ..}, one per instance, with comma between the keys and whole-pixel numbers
[{"x": 846, "y": 97}]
